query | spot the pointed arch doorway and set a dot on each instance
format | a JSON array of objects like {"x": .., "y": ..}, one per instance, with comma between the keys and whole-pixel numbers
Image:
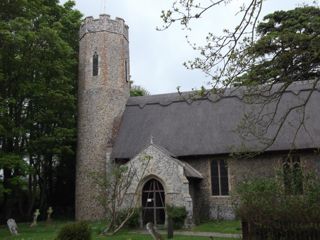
[{"x": 153, "y": 203}]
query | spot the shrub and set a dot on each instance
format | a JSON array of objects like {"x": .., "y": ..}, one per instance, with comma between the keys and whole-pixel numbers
[
  {"x": 133, "y": 221},
  {"x": 269, "y": 211},
  {"x": 177, "y": 214},
  {"x": 75, "y": 231},
  {"x": 266, "y": 201}
]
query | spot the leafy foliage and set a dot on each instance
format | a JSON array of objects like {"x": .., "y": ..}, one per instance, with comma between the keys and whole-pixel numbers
[
  {"x": 133, "y": 220},
  {"x": 288, "y": 47},
  {"x": 285, "y": 47},
  {"x": 75, "y": 231},
  {"x": 266, "y": 202},
  {"x": 38, "y": 65},
  {"x": 177, "y": 214},
  {"x": 136, "y": 91}
]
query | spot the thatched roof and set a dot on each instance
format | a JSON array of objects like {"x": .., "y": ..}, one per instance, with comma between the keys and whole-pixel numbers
[{"x": 221, "y": 123}]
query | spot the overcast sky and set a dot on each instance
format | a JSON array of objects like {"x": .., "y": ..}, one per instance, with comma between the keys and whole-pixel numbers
[{"x": 156, "y": 58}]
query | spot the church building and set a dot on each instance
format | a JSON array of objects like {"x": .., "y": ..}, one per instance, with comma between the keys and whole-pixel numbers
[{"x": 189, "y": 140}]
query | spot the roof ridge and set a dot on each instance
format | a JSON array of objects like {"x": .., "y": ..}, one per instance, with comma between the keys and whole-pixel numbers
[{"x": 166, "y": 99}]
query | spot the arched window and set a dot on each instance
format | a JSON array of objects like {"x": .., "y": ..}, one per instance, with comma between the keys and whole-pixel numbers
[
  {"x": 292, "y": 175},
  {"x": 95, "y": 64}
]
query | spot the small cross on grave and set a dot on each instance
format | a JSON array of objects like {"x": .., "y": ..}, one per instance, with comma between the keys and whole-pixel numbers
[
  {"x": 35, "y": 218},
  {"x": 49, "y": 213}
]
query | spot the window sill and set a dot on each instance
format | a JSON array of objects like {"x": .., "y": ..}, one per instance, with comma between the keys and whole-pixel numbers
[{"x": 220, "y": 196}]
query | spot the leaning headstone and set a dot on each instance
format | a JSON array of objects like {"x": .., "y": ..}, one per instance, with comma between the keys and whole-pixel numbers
[
  {"x": 49, "y": 213},
  {"x": 155, "y": 235},
  {"x": 35, "y": 218},
  {"x": 13, "y": 228}
]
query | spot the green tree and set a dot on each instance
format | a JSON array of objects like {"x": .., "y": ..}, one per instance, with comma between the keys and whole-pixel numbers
[
  {"x": 287, "y": 50},
  {"x": 288, "y": 47},
  {"x": 285, "y": 44},
  {"x": 38, "y": 66},
  {"x": 284, "y": 48},
  {"x": 138, "y": 91}
]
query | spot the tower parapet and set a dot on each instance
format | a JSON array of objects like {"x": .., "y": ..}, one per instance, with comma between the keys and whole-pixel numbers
[{"x": 104, "y": 24}]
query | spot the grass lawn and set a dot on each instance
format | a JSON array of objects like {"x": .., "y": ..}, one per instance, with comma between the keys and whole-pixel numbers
[
  {"x": 233, "y": 226},
  {"x": 49, "y": 232}
]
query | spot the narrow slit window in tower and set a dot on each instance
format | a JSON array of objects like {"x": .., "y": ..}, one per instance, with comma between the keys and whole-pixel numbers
[
  {"x": 95, "y": 64},
  {"x": 126, "y": 69}
]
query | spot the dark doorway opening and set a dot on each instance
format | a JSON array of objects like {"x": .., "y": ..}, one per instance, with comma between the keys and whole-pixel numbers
[{"x": 153, "y": 203}]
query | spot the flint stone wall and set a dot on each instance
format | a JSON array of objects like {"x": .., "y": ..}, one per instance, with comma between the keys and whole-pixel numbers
[
  {"x": 153, "y": 162},
  {"x": 266, "y": 165},
  {"x": 101, "y": 102},
  {"x": 104, "y": 24}
]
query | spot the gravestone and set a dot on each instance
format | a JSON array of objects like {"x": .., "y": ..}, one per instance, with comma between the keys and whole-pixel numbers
[
  {"x": 49, "y": 213},
  {"x": 155, "y": 235},
  {"x": 35, "y": 218},
  {"x": 13, "y": 228}
]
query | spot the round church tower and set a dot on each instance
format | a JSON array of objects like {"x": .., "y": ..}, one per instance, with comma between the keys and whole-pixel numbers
[{"x": 103, "y": 91}]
